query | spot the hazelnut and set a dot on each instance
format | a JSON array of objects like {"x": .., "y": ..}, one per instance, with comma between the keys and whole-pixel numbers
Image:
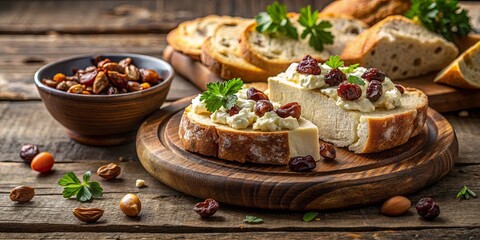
[
  {"x": 396, "y": 206},
  {"x": 22, "y": 194},
  {"x": 109, "y": 171},
  {"x": 88, "y": 215},
  {"x": 131, "y": 205}
]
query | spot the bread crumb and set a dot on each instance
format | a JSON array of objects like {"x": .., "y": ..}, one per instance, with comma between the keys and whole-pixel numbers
[
  {"x": 140, "y": 183},
  {"x": 317, "y": 219},
  {"x": 463, "y": 114}
]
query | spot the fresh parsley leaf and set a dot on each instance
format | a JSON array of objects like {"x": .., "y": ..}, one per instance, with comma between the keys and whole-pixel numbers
[
  {"x": 82, "y": 191},
  {"x": 466, "y": 193},
  {"x": 441, "y": 16},
  {"x": 334, "y": 62},
  {"x": 309, "y": 216},
  {"x": 350, "y": 68},
  {"x": 252, "y": 220},
  {"x": 318, "y": 32},
  {"x": 275, "y": 21},
  {"x": 220, "y": 94},
  {"x": 355, "y": 80}
]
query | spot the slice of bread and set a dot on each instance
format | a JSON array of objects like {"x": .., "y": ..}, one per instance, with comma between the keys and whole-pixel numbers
[
  {"x": 464, "y": 72},
  {"x": 401, "y": 48},
  {"x": 198, "y": 133},
  {"x": 361, "y": 132},
  {"x": 369, "y": 11},
  {"x": 189, "y": 36},
  {"x": 221, "y": 54},
  {"x": 277, "y": 53}
]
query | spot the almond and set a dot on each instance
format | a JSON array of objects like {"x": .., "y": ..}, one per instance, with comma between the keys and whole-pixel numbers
[
  {"x": 88, "y": 215},
  {"x": 396, "y": 206},
  {"x": 109, "y": 171}
]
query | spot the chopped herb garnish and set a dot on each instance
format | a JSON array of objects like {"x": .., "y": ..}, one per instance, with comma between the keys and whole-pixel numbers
[
  {"x": 355, "y": 80},
  {"x": 317, "y": 31},
  {"x": 334, "y": 62},
  {"x": 82, "y": 191},
  {"x": 252, "y": 220},
  {"x": 350, "y": 68},
  {"x": 275, "y": 21},
  {"x": 220, "y": 94},
  {"x": 309, "y": 216},
  {"x": 466, "y": 193}
]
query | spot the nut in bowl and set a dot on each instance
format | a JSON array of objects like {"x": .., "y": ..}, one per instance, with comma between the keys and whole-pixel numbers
[{"x": 103, "y": 119}]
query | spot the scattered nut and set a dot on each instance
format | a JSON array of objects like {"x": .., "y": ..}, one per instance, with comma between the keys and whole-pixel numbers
[
  {"x": 206, "y": 208},
  {"x": 78, "y": 88},
  {"x": 396, "y": 206},
  {"x": 43, "y": 162},
  {"x": 463, "y": 114},
  {"x": 109, "y": 171},
  {"x": 131, "y": 205},
  {"x": 22, "y": 194},
  {"x": 140, "y": 183},
  {"x": 327, "y": 151},
  {"x": 28, "y": 152},
  {"x": 88, "y": 215}
]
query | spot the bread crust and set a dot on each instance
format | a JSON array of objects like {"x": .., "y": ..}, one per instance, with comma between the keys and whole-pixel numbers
[{"x": 173, "y": 40}]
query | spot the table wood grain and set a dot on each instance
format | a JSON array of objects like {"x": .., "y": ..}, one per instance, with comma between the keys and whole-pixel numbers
[{"x": 31, "y": 35}]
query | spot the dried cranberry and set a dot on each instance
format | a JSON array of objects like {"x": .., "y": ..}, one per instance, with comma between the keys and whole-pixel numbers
[
  {"x": 234, "y": 110},
  {"x": 88, "y": 78},
  {"x": 309, "y": 65},
  {"x": 302, "y": 164},
  {"x": 327, "y": 151},
  {"x": 292, "y": 109},
  {"x": 28, "y": 152},
  {"x": 428, "y": 209},
  {"x": 374, "y": 74},
  {"x": 206, "y": 208},
  {"x": 349, "y": 91},
  {"x": 263, "y": 106},
  {"x": 335, "y": 77},
  {"x": 374, "y": 90},
  {"x": 400, "y": 88},
  {"x": 255, "y": 94}
]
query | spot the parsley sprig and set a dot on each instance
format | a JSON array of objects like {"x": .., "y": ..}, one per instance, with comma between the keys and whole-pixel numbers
[
  {"x": 275, "y": 21},
  {"x": 355, "y": 80},
  {"x": 317, "y": 31},
  {"x": 466, "y": 193},
  {"x": 309, "y": 216},
  {"x": 335, "y": 62},
  {"x": 220, "y": 94},
  {"x": 441, "y": 16},
  {"x": 252, "y": 220},
  {"x": 82, "y": 191}
]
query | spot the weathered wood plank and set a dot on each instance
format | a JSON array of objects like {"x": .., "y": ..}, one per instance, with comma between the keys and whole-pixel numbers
[{"x": 461, "y": 233}]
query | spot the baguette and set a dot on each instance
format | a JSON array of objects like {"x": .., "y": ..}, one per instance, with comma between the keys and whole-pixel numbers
[
  {"x": 464, "y": 72},
  {"x": 221, "y": 54},
  {"x": 401, "y": 48}
]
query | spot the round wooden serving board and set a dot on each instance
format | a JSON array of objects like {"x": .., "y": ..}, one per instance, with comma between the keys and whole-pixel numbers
[{"x": 350, "y": 180}]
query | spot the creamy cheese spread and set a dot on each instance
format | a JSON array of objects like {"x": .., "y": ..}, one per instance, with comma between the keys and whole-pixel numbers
[
  {"x": 389, "y": 99},
  {"x": 246, "y": 117}
]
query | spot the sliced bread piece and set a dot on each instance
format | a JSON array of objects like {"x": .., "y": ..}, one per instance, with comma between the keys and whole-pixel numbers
[
  {"x": 401, "y": 48},
  {"x": 198, "y": 133},
  {"x": 221, "y": 54},
  {"x": 464, "y": 72},
  {"x": 369, "y": 11},
  {"x": 277, "y": 53},
  {"x": 189, "y": 36}
]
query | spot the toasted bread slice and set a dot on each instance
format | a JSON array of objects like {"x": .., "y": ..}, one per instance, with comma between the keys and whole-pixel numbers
[
  {"x": 369, "y": 11},
  {"x": 464, "y": 72},
  {"x": 189, "y": 36},
  {"x": 277, "y": 53},
  {"x": 221, "y": 54},
  {"x": 401, "y": 48},
  {"x": 198, "y": 133},
  {"x": 361, "y": 132}
]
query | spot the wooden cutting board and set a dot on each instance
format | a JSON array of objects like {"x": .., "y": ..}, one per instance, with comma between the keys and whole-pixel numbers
[
  {"x": 442, "y": 98},
  {"x": 350, "y": 180}
]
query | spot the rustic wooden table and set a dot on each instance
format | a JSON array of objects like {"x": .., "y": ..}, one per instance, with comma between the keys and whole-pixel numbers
[{"x": 33, "y": 33}]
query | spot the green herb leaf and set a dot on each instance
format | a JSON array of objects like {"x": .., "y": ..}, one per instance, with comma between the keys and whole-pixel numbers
[
  {"x": 350, "y": 68},
  {"x": 466, "y": 193},
  {"x": 441, "y": 16},
  {"x": 252, "y": 220},
  {"x": 221, "y": 94},
  {"x": 275, "y": 21},
  {"x": 309, "y": 216},
  {"x": 334, "y": 62},
  {"x": 82, "y": 191},
  {"x": 355, "y": 80},
  {"x": 318, "y": 33}
]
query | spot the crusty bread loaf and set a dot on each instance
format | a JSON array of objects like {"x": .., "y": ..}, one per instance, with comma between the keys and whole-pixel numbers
[
  {"x": 464, "y": 72},
  {"x": 277, "y": 53},
  {"x": 401, "y": 48},
  {"x": 189, "y": 36},
  {"x": 369, "y": 11},
  {"x": 361, "y": 132},
  {"x": 198, "y": 133},
  {"x": 221, "y": 53}
]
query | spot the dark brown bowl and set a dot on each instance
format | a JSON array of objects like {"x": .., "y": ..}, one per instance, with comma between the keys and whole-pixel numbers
[{"x": 103, "y": 119}]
